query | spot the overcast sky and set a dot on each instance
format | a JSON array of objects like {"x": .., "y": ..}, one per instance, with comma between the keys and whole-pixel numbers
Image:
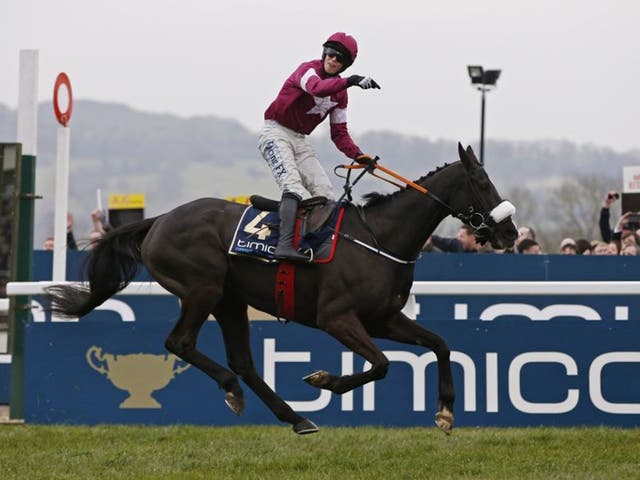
[{"x": 570, "y": 68}]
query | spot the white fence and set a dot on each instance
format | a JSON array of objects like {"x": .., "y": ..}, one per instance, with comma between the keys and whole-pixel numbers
[
  {"x": 418, "y": 288},
  {"x": 412, "y": 308}
]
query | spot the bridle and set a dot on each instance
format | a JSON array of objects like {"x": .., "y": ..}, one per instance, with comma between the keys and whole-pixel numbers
[{"x": 482, "y": 223}]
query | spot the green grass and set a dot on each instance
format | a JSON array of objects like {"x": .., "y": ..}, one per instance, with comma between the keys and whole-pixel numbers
[{"x": 187, "y": 452}]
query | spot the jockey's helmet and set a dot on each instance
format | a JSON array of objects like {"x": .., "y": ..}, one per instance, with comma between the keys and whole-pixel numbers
[{"x": 345, "y": 44}]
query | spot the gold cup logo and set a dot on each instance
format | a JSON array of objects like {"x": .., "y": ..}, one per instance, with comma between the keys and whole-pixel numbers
[{"x": 139, "y": 374}]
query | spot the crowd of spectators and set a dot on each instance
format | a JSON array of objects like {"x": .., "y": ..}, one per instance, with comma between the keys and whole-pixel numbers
[
  {"x": 100, "y": 226},
  {"x": 622, "y": 239}
]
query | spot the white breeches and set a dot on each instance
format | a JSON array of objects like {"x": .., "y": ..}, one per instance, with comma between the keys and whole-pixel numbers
[{"x": 293, "y": 162}]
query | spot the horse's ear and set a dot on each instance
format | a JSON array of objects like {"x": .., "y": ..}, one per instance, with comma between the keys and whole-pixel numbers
[
  {"x": 464, "y": 157},
  {"x": 461, "y": 153},
  {"x": 472, "y": 155},
  {"x": 467, "y": 157}
]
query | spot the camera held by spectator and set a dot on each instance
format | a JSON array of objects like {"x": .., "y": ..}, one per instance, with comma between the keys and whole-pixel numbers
[
  {"x": 613, "y": 196},
  {"x": 632, "y": 222}
]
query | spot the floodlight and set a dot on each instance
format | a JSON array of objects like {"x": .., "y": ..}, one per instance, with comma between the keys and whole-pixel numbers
[
  {"x": 476, "y": 73},
  {"x": 483, "y": 80},
  {"x": 490, "y": 77}
]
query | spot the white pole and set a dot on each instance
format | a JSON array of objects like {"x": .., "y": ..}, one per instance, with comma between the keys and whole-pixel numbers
[
  {"x": 61, "y": 206},
  {"x": 99, "y": 199},
  {"x": 28, "y": 102}
]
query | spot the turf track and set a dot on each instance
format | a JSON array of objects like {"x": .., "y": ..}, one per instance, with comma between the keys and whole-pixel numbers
[{"x": 274, "y": 452}]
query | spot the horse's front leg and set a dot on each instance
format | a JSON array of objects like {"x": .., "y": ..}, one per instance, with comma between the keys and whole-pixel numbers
[
  {"x": 402, "y": 329},
  {"x": 348, "y": 329}
]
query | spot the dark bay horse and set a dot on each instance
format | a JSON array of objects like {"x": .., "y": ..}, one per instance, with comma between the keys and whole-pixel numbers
[{"x": 357, "y": 296}]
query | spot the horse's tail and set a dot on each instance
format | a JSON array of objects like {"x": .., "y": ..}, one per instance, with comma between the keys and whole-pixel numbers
[{"x": 111, "y": 265}]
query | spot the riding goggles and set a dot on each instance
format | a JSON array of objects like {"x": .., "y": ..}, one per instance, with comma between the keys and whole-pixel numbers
[{"x": 332, "y": 52}]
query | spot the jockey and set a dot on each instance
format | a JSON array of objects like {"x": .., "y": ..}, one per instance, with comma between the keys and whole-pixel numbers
[{"x": 313, "y": 92}]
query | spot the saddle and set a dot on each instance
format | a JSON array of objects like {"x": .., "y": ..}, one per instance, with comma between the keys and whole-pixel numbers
[
  {"x": 257, "y": 231},
  {"x": 312, "y": 217}
]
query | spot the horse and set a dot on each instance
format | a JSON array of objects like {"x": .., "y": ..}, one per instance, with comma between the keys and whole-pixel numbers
[{"x": 357, "y": 296}]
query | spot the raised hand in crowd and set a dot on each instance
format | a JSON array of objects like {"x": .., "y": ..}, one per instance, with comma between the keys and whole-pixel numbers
[
  {"x": 611, "y": 197},
  {"x": 97, "y": 217},
  {"x": 605, "y": 228}
]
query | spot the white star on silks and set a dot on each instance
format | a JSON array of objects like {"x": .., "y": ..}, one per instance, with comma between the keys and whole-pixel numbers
[{"x": 323, "y": 105}]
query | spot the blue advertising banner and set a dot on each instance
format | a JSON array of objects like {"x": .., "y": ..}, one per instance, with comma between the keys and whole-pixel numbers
[{"x": 517, "y": 360}]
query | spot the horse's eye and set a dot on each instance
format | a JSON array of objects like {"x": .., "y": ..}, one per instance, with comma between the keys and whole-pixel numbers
[
  {"x": 481, "y": 181},
  {"x": 483, "y": 184}
]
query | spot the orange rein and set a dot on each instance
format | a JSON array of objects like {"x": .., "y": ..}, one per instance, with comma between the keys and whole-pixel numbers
[{"x": 407, "y": 182}]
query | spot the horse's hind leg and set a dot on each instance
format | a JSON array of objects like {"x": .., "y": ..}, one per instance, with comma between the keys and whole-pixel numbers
[
  {"x": 234, "y": 323},
  {"x": 402, "y": 329},
  {"x": 182, "y": 342},
  {"x": 350, "y": 332}
]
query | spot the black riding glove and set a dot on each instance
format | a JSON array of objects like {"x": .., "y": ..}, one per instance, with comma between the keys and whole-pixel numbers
[
  {"x": 364, "y": 159},
  {"x": 362, "y": 82}
]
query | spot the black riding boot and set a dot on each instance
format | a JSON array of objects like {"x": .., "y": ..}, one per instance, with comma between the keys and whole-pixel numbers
[{"x": 285, "y": 249}]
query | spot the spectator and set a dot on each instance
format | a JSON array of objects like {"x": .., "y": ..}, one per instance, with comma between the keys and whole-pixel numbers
[
  {"x": 601, "y": 248},
  {"x": 614, "y": 247},
  {"x": 100, "y": 227},
  {"x": 583, "y": 246},
  {"x": 428, "y": 246},
  {"x": 529, "y": 246},
  {"x": 628, "y": 237},
  {"x": 605, "y": 228},
  {"x": 568, "y": 247},
  {"x": 630, "y": 250},
  {"x": 628, "y": 222},
  {"x": 465, "y": 242},
  {"x": 98, "y": 221},
  {"x": 71, "y": 240},
  {"x": 93, "y": 239},
  {"x": 524, "y": 232}
]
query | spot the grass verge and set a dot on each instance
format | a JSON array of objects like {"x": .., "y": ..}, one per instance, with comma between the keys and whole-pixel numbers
[{"x": 271, "y": 452}]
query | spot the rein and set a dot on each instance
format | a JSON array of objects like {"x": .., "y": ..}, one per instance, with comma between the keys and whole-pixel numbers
[
  {"x": 373, "y": 165},
  {"x": 480, "y": 222},
  {"x": 370, "y": 167}
]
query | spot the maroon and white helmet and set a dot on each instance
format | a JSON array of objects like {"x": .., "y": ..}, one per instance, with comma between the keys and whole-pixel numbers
[{"x": 345, "y": 44}]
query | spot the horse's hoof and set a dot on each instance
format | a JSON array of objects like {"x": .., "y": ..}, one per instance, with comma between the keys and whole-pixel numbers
[
  {"x": 305, "y": 426},
  {"x": 318, "y": 379},
  {"x": 234, "y": 402},
  {"x": 444, "y": 420}
]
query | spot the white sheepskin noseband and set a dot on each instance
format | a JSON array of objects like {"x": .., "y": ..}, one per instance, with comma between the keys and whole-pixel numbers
[{"x": 504, "y": 210}]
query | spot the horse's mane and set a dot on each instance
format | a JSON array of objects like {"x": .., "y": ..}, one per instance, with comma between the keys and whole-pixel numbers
[{"x": 377, "y": 198}]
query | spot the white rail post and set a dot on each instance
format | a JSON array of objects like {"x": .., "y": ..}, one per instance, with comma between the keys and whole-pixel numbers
[
  {"x": 28, "y": 102},
  {"x": 62, "y": 181}
]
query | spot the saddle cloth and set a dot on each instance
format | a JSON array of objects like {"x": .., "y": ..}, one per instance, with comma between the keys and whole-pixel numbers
[{"x": 257, "y": 233}]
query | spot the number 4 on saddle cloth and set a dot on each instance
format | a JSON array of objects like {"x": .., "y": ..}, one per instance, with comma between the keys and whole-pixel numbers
[{"x": 317, "y": 229}]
